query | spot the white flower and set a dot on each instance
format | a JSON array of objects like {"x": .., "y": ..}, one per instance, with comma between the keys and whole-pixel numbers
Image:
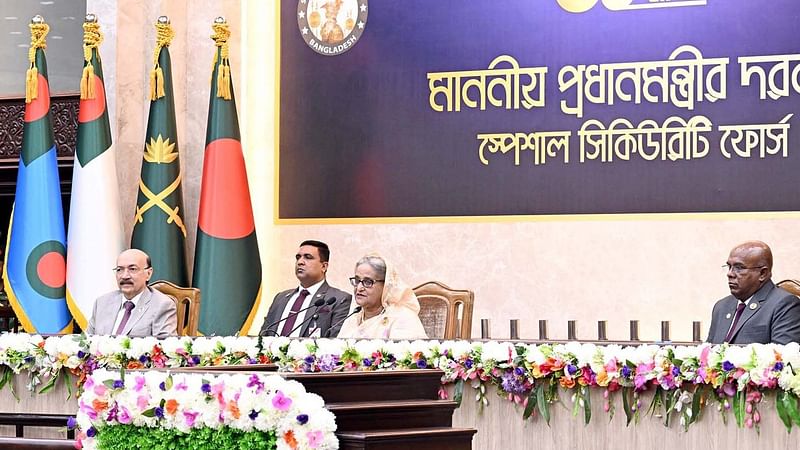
[
  {"x": 299, "y": 349},
  {"x": 789, "y": 380},
  {"x": 790, "y": 353},
  {"x": 400, "y": 349},
  {"x": 140, "y": 346},
  {"x": 586, "y": 355},
  {"x": 204, "y": 346},
  {"x": 333, "y": 347},
  {"x": 241, "y": 344},
  {"x": 105, "y": 345},
  {"x": 497, "y": 351},
  {"x": 275, "y": 344},
  {"x": 172, "y": 344},
  {"x": 740, "y": 357},
  {"x": 367, "y": 347},
  {"x": 428, "y": 348},
  {"x": 714, "y": 355},
  {"x": 534, "y": 355},
  {"x": 683, "y": 352},
  {"x": 612, "y": 352},
  {"x": 457, "y": 349},
  {"x": 19, "y": 342},
  {"x": 764, "y": 354}
]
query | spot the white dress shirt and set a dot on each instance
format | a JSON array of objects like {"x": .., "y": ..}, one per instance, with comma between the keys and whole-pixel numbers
[
  {"x": 733, "y": 314},
  {"x": 312, "y": 291},
  {"x": 121, "y": 311}
]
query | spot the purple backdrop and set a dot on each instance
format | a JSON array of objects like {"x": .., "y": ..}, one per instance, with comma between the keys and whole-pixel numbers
[{"x": 358, "y": 137}]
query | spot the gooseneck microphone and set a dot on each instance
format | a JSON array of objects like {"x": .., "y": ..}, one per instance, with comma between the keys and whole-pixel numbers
[
  {"x": 328, "y": 302},
  {"x": 323, "y": 310},
  {"x": 317, "y": 303},
  {"x": 339, "y": 323},
  {"x": 305, "y": 321}
]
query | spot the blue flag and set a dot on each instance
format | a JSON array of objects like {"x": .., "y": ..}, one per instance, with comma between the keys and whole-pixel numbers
[{"x": 35, "y": 267}]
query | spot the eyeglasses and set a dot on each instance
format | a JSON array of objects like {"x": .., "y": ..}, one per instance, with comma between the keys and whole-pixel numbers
[
  {"x": 366, "y": 282},
  {"x": 133, "y": 270},
  {"x": 737, "y": 268}
]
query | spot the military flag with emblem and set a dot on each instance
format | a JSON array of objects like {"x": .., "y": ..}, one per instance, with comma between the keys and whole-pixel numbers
[
  {"x": 158, "y": 227},
  {"x": 35, "y": 268},
  {"x": 95, "y": 235},
  {"x": 227, "y": 265}
]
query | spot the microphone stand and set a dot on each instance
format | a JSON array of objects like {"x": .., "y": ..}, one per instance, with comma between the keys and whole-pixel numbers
[
  {"x": 308, "y": 320},
  {"x": 317, "y": 304},
  {"x": 339, "y": 323}
]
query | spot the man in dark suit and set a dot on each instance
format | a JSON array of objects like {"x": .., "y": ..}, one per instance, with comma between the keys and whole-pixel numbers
[
  {"x": 757, "y": 311},
  {"x": 288, "y": 316}
]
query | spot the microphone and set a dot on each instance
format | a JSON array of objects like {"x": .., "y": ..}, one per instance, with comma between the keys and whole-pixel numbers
[
  {"x": 339, "y": 323},
  {"x": 328, "y": 302},
  {"x": 305, "y": 321},
  {"x": 317, "y": 303},
  {"x": 324, "y": 310}
]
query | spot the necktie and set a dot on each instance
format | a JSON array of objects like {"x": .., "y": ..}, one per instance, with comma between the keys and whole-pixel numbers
[
  {"x": 128, "y": 305},
  {"x": 736, "y": 316},
  {"x": 289, "y": 324}
]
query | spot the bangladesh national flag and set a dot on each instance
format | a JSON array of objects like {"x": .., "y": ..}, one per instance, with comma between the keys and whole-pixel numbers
[
  {"x": 158, "y": 227},
  {"x": 95, "y": 235},
  {"x": 227, "y": 266},
  {"x": 35, "y": 268}
]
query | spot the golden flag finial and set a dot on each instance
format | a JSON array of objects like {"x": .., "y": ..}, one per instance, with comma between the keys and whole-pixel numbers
[
  {"x": 164, "y": 35},
  {"x": 221, "y": 34},
  {"x": 92, "y": 37},
  {"x": 39, "y": 30}
]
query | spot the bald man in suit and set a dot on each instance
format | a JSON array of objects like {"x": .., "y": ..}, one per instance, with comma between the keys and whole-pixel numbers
[
  {"x": 757, "y": 311},
  {"x": 135, "y": 309}
]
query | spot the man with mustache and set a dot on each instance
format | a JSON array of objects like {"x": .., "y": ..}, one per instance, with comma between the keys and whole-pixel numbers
[
  {"x": 287, "y": 315},
  {"x": 134, "y": 310},
  {"x": 757, "y": 311}
]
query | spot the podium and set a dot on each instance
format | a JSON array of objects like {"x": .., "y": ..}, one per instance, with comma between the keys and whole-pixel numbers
[{"x": 389, "y": 410}]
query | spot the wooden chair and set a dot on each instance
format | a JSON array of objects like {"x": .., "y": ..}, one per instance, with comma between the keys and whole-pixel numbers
[
  {"x": 187, "y": 300},
  {"x": 445, "y": 313},
  {"x": 792, "y": 286}
]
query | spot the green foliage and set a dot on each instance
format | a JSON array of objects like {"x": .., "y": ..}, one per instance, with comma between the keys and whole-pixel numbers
[
  {"x": 542, "y": 403},
  {"x": 627, "y": 393},
  {"x": 587, "y": 404},
  {"x": 739, "y": 408},
  {"x": 782, "y": 405},
  {"x": 582, "y": 403},
  {"x": 5, "y": 380},
  {"x": 458, "y": 394},
  {"x": 129, "y": 437},
  {"x": 698, "y": 399},
  {"x": 788, "y": 411}
]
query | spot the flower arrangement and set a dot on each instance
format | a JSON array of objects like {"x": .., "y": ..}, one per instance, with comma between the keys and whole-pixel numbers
[
  {"x": 158, "y": 409},
  {"x": 684, "y": 379}
]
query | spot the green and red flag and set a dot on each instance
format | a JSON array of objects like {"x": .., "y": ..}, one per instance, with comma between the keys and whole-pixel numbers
[
  {"x": 35, "y": 268},
  {"x": 95, "y": 235},
  {"x": 227, "y": 265},
  {"x": 158, "y": 227}
]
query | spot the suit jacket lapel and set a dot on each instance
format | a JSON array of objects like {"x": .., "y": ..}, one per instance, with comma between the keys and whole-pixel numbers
[
  {"x": 138, "y": 311},
  {"x": 113, "y": 312},
  {"x": 754, "y": 307},
  {"x": 728, "y": 310},
  {"x": 283, "y": 301},
  {"x": 280, "y": 306}
]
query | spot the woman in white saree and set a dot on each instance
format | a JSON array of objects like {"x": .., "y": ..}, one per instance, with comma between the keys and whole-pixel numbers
[{"x": 389, "y": 308}]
